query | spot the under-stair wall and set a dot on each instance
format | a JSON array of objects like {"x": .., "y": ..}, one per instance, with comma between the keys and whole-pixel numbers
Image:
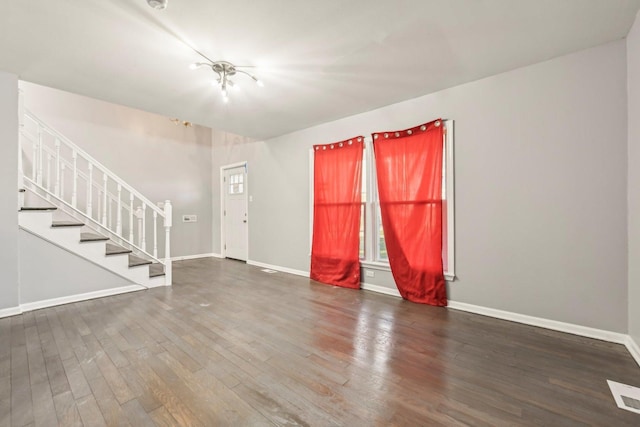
[{"x": 50, "y": 275}]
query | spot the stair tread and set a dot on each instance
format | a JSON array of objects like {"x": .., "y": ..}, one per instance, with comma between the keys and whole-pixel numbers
[
  {"x": 92, "y": 237},
  {"x": 38, "y": 208},
  {"x": 113, "y": 249},
  {"x": 156, "y": 270},
  {"x": 67, "y": 224},
  {"x": 135, "y": 261}
]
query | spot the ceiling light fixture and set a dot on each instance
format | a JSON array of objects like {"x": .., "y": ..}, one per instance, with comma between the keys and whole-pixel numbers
[
  {"x": 158, "y": 4},
  {"x": 225, "y": 70}
]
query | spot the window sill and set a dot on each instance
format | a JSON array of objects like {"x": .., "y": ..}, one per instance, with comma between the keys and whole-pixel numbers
[{"x": 382, "y": 266}]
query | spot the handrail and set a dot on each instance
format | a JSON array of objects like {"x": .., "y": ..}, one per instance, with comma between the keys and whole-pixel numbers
[
  {"x": 89, "y": 175},
  {"x": 90, "y": 159},
  {"x": 95, "y": 223},
  {"x": 83, "y": 175}
]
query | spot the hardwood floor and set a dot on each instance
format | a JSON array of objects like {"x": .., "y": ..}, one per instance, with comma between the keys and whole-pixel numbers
[{"x": 230, "y": 345}]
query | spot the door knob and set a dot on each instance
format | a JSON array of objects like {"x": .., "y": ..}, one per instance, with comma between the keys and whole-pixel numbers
[{"x": 244, "y": 221}]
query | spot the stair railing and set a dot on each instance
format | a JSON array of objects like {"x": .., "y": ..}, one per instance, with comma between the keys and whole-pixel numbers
[{"x": 64, "y": 173}]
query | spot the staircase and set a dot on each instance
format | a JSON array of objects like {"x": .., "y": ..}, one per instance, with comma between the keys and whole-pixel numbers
[{"x": 74, "y": 202}]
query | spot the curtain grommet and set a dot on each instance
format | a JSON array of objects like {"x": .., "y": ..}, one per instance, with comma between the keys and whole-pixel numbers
[
  {"x": 423, "y": 128},
  {"x": 409, "y": 132},
  {"x": 386, "y": 135}
]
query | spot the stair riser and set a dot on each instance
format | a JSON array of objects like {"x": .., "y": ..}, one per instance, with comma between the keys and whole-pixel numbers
[{"x": 39, "y": 223}]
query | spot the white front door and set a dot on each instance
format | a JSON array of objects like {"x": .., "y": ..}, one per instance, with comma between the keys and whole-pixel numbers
[{"x": 235, "y": 213}]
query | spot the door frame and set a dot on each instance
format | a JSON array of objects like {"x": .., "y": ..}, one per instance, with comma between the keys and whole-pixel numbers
[{"x": 222, "y": 203}]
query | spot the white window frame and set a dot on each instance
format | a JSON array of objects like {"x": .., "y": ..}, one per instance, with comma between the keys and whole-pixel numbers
[{"x": 371, "y": 206}]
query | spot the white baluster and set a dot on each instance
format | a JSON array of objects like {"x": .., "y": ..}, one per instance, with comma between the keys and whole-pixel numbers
[
  {"x": 48, "y": 181},
  {"x": 34, "y": 162},
  {"x": 57, "y": 186},
  {"x": 110, "y": 223},
  {"x": 131, "y": 217},
  {"x": 144, "y": 228},
  {"x": 90, "y": 192},
  {"x": 74, "y": 193},
  {"x": 155, "y": 234},
  {"x": 139, "y": 216},
  {"x": 62, "y": 169},
  {"x": 119, "y": 212},
  {"x": 104, "y": 200},
  {"x": 168, "y": 218},
  {"x": 39, "y": 159}
]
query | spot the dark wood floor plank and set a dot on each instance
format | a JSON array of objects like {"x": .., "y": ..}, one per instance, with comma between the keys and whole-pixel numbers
[
  {"x": 57, "y": 376},
  {"x": 5, "y": 412},
  {"x": 136, "y": 414},
  {"x": 21, "y": 403},
  {"x": 111, "y": 410},
  {"x": 89, "y": 411},
  {"x": 44, "y": 411},
  {"x": 75, "y": 376},
  {"x": 162, "y": 392},
  {"x": 162, "y": 418},
  {"x": 67, "y": 410},
  {"x": 230, "y": 345}
]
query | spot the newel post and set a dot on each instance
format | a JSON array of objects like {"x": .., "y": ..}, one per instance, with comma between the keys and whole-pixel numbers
[
  {"x": 168, "y": 219},
  {"x": 20, "y": 148}
]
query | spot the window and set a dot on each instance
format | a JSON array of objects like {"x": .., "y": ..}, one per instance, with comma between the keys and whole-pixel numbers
[
  {"x": 236, "y": 183},
  {"x": 373, "y": 251}
]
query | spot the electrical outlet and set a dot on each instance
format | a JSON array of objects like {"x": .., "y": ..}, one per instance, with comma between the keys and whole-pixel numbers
[
  {"x": 189, "y": 218},
  {"x": 369, "y": 273}
]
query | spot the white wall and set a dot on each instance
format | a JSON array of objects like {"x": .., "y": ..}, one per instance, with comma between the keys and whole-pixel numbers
[
  {"x": 159, "y": 159},
  {"x": 633, "y": 84},
  {"x": 9, "y": 278},
  {"x": 48, "y": 271},
  {"x": 541, "y": 173}
]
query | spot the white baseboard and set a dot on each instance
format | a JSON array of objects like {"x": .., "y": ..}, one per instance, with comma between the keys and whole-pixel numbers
[
  {"x": 380, "y": 289},
  {"x": 196, "y": 256},
  {"x": 633, "y": 348},
  {"x": 11, "y": 311},
  {"x": 555, "y": 325},
  {"x": 278, "y": 268},
  {"x": 79, "y": 297}
]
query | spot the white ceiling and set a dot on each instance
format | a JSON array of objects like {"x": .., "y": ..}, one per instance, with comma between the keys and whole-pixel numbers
[{"x": 319, "y": 60}]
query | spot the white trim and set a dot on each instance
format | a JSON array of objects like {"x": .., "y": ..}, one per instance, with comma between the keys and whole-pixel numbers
[
  {"x": 450, "y": 274},
  {"x": 278, "y": 268},
  {"x": 11, "y": 311},
  {"x": 196, "y": 256},
  {"x": 555, "y": 325},
  {"x": 79, "y": 297},
  {"x": 380, "y": 289},
  {"x": 633, "y": 348},
  {"x": 311, "y": 195}
]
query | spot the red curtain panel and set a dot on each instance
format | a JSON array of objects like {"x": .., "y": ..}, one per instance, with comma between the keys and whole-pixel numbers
[
  {"x": 337, "y": 197},
  {"x": 409, "y": 171}
]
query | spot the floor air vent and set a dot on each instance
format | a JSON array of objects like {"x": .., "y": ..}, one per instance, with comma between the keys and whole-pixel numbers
[
  {"x": 268, "y": 270},
  {"x": 626, "y": 396}
]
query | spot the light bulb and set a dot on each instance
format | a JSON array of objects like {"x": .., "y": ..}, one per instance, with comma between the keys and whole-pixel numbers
[
  {"x": 259, "y": 83},
  {"x": 194, "y": 66}
]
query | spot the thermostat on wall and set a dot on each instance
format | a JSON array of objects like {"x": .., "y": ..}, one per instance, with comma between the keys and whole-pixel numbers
[{"x": 189, "y": 218}]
